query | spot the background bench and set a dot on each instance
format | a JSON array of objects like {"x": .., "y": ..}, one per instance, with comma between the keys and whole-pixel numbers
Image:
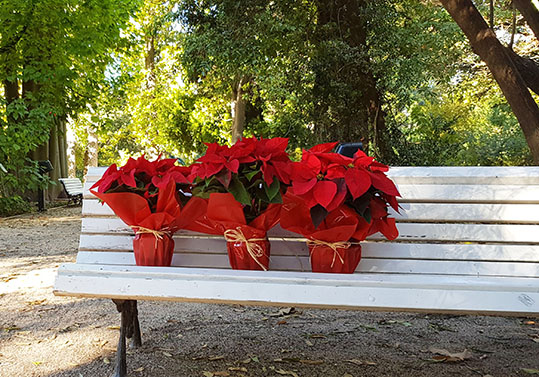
[
  {"x": 468, "y": 243},
  {"x": 73, "y": 189}
]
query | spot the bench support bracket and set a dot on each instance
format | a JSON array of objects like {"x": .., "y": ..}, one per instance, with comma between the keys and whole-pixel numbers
[{"x": 129, "y": 329}]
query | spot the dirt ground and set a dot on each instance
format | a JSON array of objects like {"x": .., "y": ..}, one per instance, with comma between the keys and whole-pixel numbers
[{"x": 44, "y": 335}]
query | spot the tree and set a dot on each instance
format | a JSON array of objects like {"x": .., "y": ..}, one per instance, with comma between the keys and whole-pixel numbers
[
  {"x": 484, "y": 42},
  {"x": 53, "y": 54}
]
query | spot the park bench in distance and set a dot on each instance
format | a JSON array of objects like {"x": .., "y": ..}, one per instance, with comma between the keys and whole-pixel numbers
[
  {"x": 468, "y": 244},
  {"x": 73, "y": 189}
]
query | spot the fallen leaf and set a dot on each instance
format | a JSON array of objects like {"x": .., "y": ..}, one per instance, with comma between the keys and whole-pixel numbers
[
  {"x": 207, "y": 374},
  {"x": 221, "y": 373},
  {"x": 167, "y": 354},
  {"x": 106, "y": 361},
  {"x": 37, "y": 362},
  {"x": 361, "y": 362},
  {"x": 213, "y": 358},
  {"x": 138, "y": 369},
  {"x": 309, "y": 343},
  {"x": 283, "y": 322},
  {"x": 529, "y": 322},
  {"x": 286, "y": 372},
  {"x": 113, "y": 328},
  {"x": 312, "y": 362},
  {"x": 238, "y": 369},
  {"x": 445, "y": 355},
  {"x": 530, "y": 371}
]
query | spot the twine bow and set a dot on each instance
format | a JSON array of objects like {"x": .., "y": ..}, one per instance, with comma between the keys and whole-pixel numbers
[
  {"x": 158, "y": 234},
  {"x": 332, "y": 245},
  {"x": 255, "y": 250}
]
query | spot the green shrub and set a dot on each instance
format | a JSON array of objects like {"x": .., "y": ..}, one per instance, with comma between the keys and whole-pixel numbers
[{"x": 13, "y": 205}]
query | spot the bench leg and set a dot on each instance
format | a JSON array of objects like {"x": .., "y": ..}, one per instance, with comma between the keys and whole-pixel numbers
[{"x": 129, "y": 328}]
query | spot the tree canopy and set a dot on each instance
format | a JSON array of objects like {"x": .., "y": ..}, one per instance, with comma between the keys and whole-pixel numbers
[{"x": 407, "y": 78}]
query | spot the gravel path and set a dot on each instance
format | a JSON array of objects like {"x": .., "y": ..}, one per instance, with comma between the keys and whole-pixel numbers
[{"x": 44, "y": 335}]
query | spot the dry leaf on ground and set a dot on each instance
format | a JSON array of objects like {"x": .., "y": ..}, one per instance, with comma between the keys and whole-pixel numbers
[{"x": 445, "y": 355}]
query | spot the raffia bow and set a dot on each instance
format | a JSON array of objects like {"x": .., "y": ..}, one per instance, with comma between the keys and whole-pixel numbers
[
  {"x": 255, "y": 251},
  {"x": 158, "y": 234},
  {"x": 333, "y": 246}
]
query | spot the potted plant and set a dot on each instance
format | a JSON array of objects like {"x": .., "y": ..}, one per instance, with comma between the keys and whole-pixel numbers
[
  {"x": 336, "y": 202},
  {"x": 150, "y": 197},
  {"x": 243, "y": 185}
]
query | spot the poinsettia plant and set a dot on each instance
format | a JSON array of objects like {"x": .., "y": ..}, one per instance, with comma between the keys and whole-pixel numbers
[
  {"x": 255, "y": 171},
  {"x": 325, "y": 181},
  {"x": 337, "y": 201},
  {"x": 152, "y": 197},
  {"x": 243, "y": 184}
]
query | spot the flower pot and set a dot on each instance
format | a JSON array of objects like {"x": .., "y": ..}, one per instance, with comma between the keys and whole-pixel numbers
[
  {"x": 151, "y": 250},
  {"x": 341, "y": 260},
  {"x": 248, "y": 254}
]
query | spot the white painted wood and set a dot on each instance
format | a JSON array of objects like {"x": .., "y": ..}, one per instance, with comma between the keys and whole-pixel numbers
[
  {"x": 458, "y": 175},
  {"x": 522, "y": 233},
  {"x": 497, "y": 213},
  {"x": 302, "y": 263},
  {"x": 454, "y": 193},
  {"x": 374, "y": 291},
  {"x": 428, "y": 232},
  {"x": 437, "y": 174},
  {"x": 386, "y": 250}
]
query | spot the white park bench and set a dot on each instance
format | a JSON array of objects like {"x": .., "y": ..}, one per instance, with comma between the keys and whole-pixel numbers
[
  {"x": 468, "y": 244},
  {"x": 73, "y": 189}
]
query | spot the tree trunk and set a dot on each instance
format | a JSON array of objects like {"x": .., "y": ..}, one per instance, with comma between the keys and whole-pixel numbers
[
  {"x": 353, "y": 113},
  {"x": 238, "y": 112},
  {"x": 527, "y": 68},
  {"x": 530, "y": 13},
  {"x": 70, "y": 151},
  {"x": 91, "y": 155},
  {"x": 490, "y": 50}
]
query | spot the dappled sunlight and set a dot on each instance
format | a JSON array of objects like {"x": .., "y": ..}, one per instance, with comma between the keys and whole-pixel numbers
[{"x": 39, "y": 278}]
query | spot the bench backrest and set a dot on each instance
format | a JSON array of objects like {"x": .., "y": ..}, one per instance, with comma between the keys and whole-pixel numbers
[
  {"x": 73, "y": 186},
  {"x": 474, "y": 221}
]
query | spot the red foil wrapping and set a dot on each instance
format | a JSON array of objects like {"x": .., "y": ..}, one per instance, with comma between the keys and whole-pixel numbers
[
  {"x": 168, "y": 217},
  {"x": 153, "y": 251},
  {"x": 247, "y": 244}
]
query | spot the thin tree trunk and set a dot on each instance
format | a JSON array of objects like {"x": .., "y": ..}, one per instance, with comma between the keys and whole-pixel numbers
[
  {"x": 70, "y": 151},
  {"x": 530, "y": 13},
  {"x": 238, "y": 112},
  {"x": 492, "y": 52},
  {"x": 91, "y": 149}
]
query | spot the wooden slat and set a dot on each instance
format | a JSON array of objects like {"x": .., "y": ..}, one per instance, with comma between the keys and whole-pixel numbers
[
  {"x": 466, "y": 233},
  {"x": 386, "y": 250},
  {"x": 389, "y": 292},
  {"x": 439, "y": 174},
  {"x": 424, "y": 232},
  {"x": 454, "y": 193},
  {"x": 462, "y": 175},
  {"x": 302, "y": 263},
  {"x": 498, "y": 213}
]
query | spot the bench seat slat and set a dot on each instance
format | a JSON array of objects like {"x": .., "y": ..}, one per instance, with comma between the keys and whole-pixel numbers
[
  {"x": 469, "y": 252},
  {"x": 373, "y": 291},
  {"x": 367, "y": 265}
]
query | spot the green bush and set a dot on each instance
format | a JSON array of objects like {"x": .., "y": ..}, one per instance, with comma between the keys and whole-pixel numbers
[{"x": 13, "y": 205}]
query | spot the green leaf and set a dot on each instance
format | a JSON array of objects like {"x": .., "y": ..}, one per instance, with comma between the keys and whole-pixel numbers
[
  {"x": 530, "y": 371},
  {"x": 273, "y": 189},
  {"x": 251, "y": 174},
  {"x": 237, "y": 189}
]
